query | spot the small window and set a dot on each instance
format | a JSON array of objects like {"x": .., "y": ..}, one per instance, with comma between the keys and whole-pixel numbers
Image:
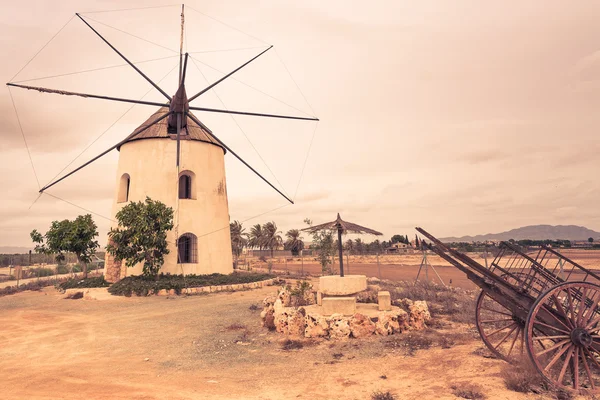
[
  {"x": 187, "y": 250},
  {"x": 124, "y": 188},
  {"x": 186, "y": 185}
]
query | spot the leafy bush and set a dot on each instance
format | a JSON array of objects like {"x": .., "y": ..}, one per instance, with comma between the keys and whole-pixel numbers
[
  {"x": 142, "y": 286},
  {"x": 94, "y": 282}
]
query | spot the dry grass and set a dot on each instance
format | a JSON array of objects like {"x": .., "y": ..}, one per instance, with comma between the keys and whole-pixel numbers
[
  {"x": 455, "y": 303},
  {"x": 521, "y": 376},
  {"x": 467, "y": 390},
  {"x": 236, "y": 326},
  {"x": 411, "y": 342},
  {"x": 379, "y": 395},
  {"x": 291, "y": 344},
  {"x": 75, "y": 296}
]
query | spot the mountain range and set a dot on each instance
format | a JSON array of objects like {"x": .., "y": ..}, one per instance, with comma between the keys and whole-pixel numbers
[{"x": 534, "y": 232}]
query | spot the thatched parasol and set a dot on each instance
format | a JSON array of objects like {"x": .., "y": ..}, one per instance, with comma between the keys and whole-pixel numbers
[{"x": 341, "y": 227}]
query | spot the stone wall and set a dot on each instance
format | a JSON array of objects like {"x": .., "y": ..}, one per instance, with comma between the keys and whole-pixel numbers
[{"x": 297, "y": 321}]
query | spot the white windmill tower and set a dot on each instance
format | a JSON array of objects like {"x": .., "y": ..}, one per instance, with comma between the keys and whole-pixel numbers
[{"x": 174, "y": 158}]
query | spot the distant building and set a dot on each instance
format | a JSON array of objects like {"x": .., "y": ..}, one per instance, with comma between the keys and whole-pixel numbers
[{"x": 399, "y": 248}]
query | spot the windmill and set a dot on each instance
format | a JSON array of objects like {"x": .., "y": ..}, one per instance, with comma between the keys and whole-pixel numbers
[{"x": 173, "y": 157}]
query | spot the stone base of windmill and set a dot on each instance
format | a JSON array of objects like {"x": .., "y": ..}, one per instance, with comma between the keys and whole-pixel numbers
[{"x": 339, "y": 316}]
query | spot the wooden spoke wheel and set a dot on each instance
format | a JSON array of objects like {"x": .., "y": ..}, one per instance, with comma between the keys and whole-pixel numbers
[
  {"x": 500, "y": 329},
  {"x": 562, "y": 335}
]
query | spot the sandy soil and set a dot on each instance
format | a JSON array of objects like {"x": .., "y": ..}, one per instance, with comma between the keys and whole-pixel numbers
[{"x": 54, "y": 348}]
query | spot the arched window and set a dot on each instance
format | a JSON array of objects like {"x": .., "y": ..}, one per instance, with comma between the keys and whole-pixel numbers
[
  {"x": 187, "y": 249},
  {"x": 186, "y": 185},
  {"x": 124, "y": 188}
]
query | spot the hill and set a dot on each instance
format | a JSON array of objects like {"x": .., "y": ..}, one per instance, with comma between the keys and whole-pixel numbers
[
  {"x": 535, "y": 232},
  {"x": 14, "y": 250}
]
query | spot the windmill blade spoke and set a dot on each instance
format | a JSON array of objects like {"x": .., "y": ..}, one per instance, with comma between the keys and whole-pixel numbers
[
  {"x": 228, "y": 75},
  {"x": 137, "y": 131},
  {"x": 193, "y": 118},
  {"x": 216, "y": 110},
  {"x": 125, "y": 58},
  {"x": 86, "y": 95}
]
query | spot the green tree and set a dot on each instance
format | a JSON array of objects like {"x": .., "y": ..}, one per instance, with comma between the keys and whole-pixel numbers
[
  {"x": 272, "y": 237},
  {"x": 238, "y": 239},
  {"x": 141, "y": 235},
  {"x": 397, "y": 239},
  {"x": 294, "y": 241},
  {"x": 324, "y": 244},
  {"x": 256, "y": 237},
  {"x": 67, "y": 236},
  {"x": 591, "y": 240}
]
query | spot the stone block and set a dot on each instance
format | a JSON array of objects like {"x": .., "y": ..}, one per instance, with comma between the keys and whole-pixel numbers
[
  {"x": 338, "y": 305},
  {"x": 384, "y": 300},
  {"x": 340, "y": 286}
]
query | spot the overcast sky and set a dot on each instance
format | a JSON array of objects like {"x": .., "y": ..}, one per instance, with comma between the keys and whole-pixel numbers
[{"x": 457, "y": 116}]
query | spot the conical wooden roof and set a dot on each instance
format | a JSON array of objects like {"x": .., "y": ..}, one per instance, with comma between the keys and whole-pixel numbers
[
  {"x": 190, "y": 130},
  {"x": 347, "y": 227}
]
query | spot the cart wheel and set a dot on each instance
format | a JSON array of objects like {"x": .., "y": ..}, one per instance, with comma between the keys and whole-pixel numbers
[
  {"x": 500, "y": 330},
  {"x": 562, "y": 335}
]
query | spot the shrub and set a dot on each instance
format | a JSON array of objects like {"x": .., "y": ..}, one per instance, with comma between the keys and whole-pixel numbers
[
  {"x": 521, "y": 376},
  {"x": 94, "y": 282},
  {"x": 41, "y": 272},
  {"x": 291, "y": 344},
  {"x": 77, "y": 268},
  {"x": 62, "y": 269},
  {"x": 142, "y": 285},
  {"x": 379, "y": 395},
  {"x": 468, "y": 390},
  {"x": 236, "y": 327}
]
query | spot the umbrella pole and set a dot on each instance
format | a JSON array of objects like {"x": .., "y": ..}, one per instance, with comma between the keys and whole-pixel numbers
[{"x": 340, "y": 250}]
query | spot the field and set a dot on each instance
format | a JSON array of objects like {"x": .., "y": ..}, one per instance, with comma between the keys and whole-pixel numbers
[
  {"x": 213, "y": 347},
  {"x": 406, "y": 267}
]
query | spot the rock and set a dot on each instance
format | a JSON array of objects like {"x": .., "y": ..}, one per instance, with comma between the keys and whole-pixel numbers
[
  {"x": 162, "y": 292},
  {"x": 146, "y": 359},
  {"x": 368, "y": 296},
  {"x": 316, "y": 326},
  {"x": 361, "y": 326},
  {"x": 285, "y": 296},
  {"x": 269, "y": 320},
  {"x": 290, "y": 321},
  {"x": 269, "y": 301},
  {"x": 384, "y": 300},
  {"x": 419, "y": 315},
  {"x": 373, "y": 280},
  {"x": 339, "y": 326},
  {"x": 391, "y": 322}
]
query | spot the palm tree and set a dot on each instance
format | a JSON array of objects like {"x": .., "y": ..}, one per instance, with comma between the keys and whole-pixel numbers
[
  {"x": 349, "y": 245},
  {"x": 271, "y": 236},
  {"x": 256, "y": 237},
  {"x": 359, "y": 245},
  {"x": 294, "y": 241},
  {"x": 238, "y": 238}
]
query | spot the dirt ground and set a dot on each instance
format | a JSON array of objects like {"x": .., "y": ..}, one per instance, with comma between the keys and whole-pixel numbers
[{"x": 181, "y": 348}]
